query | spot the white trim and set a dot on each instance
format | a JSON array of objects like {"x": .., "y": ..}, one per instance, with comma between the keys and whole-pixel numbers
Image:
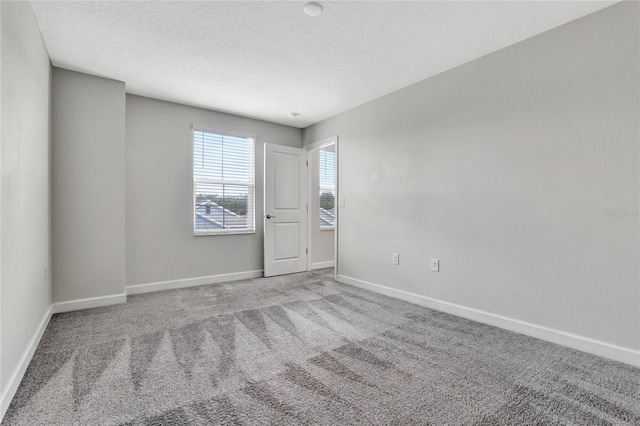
[
  {"x": 321, "y": 144},
  {"x": 223, "y": 132},
  {"x": 309, "y": 212},
  {"x": 226, "y": 231},
  {"x": 321, "y": 265},
  {"x": 91, "y": 302},
  {"x": 337, "y": 208},
  {"x": 581, "y": 343},
  {"x": 192, "y": 282},
  {"x": 333, "y": 140},
  {"x": 23, "y": 363}
]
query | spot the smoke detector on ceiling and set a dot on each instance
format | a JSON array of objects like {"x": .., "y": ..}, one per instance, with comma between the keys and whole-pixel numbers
[{"x": 313, "y": 9}]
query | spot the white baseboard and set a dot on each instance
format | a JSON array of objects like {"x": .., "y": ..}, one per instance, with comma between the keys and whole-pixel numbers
[
  {"x": 23, "y": 363},
  {"x": 191, "y": 282},
  {"x": 322, "y": 265},
  {"x": 581, "y": 343},
  {"x": 92, "y": 302}
]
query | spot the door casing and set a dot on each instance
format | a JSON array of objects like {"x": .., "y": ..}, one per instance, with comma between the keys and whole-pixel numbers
[{"x": 310, "y": 148}]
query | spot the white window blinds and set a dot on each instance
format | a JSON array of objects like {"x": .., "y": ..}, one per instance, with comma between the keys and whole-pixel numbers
[
  {"x": 223, "y": 183},
  {"x": 327, "y": 187}
]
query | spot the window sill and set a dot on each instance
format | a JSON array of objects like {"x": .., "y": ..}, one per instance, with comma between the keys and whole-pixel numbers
[{"x": 230, "y": 232}]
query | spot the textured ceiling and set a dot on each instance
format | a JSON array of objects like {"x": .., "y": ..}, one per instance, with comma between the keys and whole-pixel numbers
[{"x": 266, "y": 59}]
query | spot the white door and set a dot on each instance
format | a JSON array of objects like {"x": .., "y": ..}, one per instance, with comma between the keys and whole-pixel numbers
[{"x": 285, "y": 222}]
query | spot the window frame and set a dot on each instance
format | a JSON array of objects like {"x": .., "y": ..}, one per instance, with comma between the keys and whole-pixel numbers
[{"x": 251, "y": 187}]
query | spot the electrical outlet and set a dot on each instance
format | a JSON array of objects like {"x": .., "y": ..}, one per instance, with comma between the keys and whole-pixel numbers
[
  {"x": 435, "y": 265},
  {"x": 395, "y": 258}
]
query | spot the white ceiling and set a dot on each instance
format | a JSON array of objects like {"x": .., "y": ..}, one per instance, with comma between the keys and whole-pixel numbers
[{"x": 266, "y": 59}]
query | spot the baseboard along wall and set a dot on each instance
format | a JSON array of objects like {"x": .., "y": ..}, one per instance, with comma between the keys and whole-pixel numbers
[
  {"x": 322, "y": 265},
  {"x": 92, "y": 302},
  {"x": 192, "y": 282},
  {"x": 574, "y": 341},
  {"x": 18, "y": 373}
]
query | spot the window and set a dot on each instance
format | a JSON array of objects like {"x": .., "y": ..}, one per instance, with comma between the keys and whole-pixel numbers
[
  {"x": 223, "y": 183},
  {"x": 327, "y": 187}
]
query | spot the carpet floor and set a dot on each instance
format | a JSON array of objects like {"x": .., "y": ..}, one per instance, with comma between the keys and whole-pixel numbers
[{"x": 303, "y": 349}]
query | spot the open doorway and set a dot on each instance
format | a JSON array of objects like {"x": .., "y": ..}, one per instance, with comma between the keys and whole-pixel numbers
[{"x": 322, "y": 193}]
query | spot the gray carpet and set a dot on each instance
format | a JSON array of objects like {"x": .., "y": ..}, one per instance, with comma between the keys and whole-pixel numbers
[{"x": 303, "y": 349}]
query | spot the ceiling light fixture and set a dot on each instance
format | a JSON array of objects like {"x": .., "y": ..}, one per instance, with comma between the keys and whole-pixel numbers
[
  {"x": 294, "y": 114},
  {"x": 313, "y": 9}
]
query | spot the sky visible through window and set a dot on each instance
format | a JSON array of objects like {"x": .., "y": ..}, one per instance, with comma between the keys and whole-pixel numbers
[
  {"x": 221, "y": 157},
  {"x": 327, "y": 168}
]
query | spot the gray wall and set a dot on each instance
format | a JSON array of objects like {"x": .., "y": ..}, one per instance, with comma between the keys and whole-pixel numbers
[
  {"x": 159, "y": 230},
  {"x": 507, "y": 169},
  {"x": 88, "y": 176},
  {"x": 24, "y": 212},
  {"x": 322, "y": 241}
]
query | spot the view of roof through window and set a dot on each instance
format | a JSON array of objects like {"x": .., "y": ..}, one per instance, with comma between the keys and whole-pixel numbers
[{"x": 327, "y": 187}]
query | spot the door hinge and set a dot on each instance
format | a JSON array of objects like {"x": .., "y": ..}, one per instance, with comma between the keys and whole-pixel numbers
[
  {"x": 306, "y": 251},
  {"x": 307, "y": 163}
]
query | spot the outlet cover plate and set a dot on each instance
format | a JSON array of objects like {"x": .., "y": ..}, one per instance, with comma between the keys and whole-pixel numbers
[{"x": 435, "y": 265}]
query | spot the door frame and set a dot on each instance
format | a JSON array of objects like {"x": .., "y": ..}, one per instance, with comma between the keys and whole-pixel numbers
[{"x": 333, "y": 140}]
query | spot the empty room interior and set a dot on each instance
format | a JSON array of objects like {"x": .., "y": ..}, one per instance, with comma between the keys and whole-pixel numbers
[{"x": 332, "y": 213}]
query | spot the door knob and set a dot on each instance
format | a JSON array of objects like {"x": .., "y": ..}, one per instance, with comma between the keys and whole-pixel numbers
[{"x": 269, "y": 216}]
